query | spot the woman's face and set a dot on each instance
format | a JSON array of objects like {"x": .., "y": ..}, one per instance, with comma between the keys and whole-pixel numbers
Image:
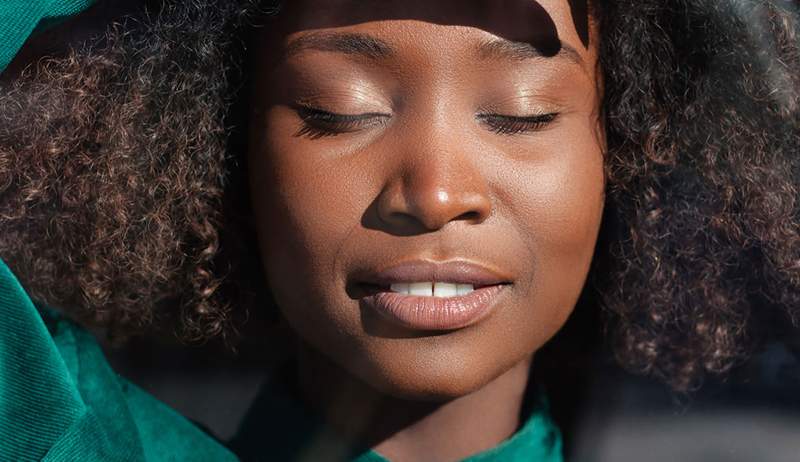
[{"x": 452, "y": 144}]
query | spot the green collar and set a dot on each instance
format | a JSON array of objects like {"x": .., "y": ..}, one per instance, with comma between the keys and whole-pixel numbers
[
  {"x": 19, "y": 19},
  {"x": 278, "y": 427}
]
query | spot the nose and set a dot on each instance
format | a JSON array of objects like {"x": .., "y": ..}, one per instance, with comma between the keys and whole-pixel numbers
[{"x": 433, "y": 188}]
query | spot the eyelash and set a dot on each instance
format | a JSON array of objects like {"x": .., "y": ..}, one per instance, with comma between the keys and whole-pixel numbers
[
  {"x": 318, "y": 123},
  {"x": 514, "y": 125}
]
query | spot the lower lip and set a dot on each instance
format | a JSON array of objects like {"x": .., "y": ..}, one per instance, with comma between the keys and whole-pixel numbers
[{"x": 435, "y": 313}]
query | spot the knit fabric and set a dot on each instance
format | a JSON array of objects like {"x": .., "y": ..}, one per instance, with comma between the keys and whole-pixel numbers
[
  {"x": 19, "y": 19},
  {"x": 60, "y": 400}
]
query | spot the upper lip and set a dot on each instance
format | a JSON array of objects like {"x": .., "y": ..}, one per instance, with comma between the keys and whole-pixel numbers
[{"x": 456, "y": 271}]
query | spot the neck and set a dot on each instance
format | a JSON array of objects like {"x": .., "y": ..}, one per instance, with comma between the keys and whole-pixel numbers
[{"x": 403, "y": 430}]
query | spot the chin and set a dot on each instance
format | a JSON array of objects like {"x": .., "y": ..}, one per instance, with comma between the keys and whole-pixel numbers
[
  {"x": 435, "y": 380},
  {"x": 429, "y": 390}
]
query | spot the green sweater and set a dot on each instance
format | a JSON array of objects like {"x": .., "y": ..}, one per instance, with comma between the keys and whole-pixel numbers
[
  {"x": 21, "y": 18},
  {"x": 60, "y": 400}
]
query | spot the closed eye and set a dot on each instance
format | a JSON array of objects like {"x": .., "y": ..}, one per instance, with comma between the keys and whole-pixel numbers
[
  {"x": 319, "y": 123},
  {"x": 512, "y": 125}
]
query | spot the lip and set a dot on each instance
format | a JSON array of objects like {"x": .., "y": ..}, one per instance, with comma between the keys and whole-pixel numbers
[
  {"x": 434, "y": 313},
  {"x": 457, "y": 271}
]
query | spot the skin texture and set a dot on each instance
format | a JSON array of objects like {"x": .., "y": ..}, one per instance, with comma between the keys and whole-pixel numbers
[
  {"x": 424, "y": 177},
  {"x": 116, "y": 195},
  {"x": 117, "y": 178}
]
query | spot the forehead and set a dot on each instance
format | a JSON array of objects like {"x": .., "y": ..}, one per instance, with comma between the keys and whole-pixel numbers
[{"x": 543, "y": 22}]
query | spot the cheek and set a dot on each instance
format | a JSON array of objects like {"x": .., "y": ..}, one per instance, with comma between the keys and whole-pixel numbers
[
  {"x": 557, "y": 202},
  {"x": 311, "y": 196},
  {"x": 564, "y": 204},
  {"x": 307, "y": 204}
]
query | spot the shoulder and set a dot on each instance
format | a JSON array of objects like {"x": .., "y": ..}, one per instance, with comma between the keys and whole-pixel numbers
[
  {"x": 62, "y": 401},
  {"x": 163, "y": 431}
]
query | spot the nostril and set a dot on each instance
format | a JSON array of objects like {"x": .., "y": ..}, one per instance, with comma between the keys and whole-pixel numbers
[
  {"x": 469, "y": 216},
  {"x": 429, "y": 199}
]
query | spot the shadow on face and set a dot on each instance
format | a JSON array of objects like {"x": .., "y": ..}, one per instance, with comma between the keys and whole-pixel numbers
[
  {"x": 525, "y": 21},
  {"x": 384, "y": 133}
]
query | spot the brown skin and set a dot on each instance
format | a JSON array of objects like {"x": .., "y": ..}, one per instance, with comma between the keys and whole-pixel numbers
[
  {"x": 424, "y": 178},
  {"x": 120, "y": 218}
]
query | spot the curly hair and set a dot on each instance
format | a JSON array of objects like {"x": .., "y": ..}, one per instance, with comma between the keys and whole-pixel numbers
[
  {"x": 113, "y": 165},
  {"x": 701, "y": 109},
  {"x": 120, "y": 183}
]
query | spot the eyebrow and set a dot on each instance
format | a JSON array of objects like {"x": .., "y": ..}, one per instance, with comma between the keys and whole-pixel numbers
[
  {"x": 347, "y": 43},
  {"x": 520, "y": 51},
  {"x": 375, "y": 48}
]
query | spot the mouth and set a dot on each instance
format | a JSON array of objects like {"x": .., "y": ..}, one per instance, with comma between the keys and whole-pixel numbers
[
  {"x": 439, "y": 289},
  {"x": 427, "y": 296}
]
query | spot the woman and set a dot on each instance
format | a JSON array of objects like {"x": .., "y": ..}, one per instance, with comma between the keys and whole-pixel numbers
[{"x": 426, "y": 183}]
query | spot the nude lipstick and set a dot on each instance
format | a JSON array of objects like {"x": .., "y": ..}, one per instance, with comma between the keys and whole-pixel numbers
[{"x": 425, "y": 295}]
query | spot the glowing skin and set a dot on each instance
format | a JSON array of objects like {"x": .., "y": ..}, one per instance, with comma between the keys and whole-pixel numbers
[{"x": 408, "y": 131}]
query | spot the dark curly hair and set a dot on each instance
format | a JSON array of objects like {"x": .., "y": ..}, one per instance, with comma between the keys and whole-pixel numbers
[{"x": 122, "y": 193}]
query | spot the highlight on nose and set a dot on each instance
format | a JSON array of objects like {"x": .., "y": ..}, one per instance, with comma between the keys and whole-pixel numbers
[{"x": 430, "y": 207}]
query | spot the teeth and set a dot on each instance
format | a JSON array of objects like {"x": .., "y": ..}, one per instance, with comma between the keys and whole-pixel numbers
[
  {"x": 445, "y": 289},
  {"x": 464, "y": 289},
  {"x": 421, "y": 288},
  {"x": 429, "y": 289},
  {"x": 400, "y": 288}
]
